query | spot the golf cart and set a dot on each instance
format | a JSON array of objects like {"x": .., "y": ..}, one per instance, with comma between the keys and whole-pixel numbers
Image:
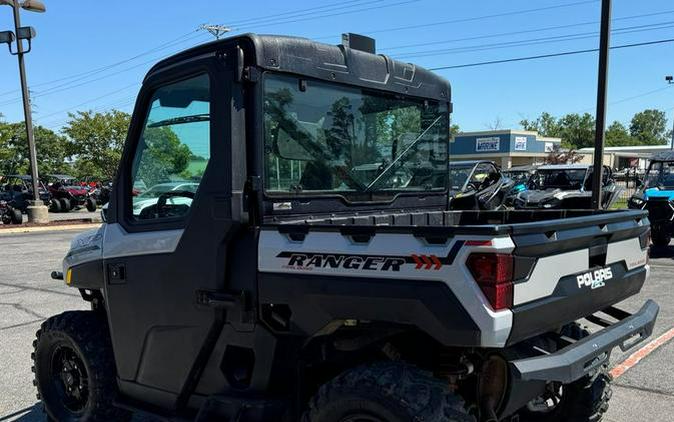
[
  {"x": 294, "y": 284},
  {"x": 657, "y": 196},
  {"x": 477, "y": 185},
  {"x": 566, "y": 186},
  {"x": 67, "y": 194}
]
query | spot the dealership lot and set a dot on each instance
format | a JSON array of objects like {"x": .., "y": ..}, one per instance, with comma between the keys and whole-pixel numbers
[{"x": 28, "y": 296}]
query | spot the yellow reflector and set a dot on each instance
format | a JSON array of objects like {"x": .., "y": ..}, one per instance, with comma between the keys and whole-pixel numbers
[{"x": 69, "y": 276}]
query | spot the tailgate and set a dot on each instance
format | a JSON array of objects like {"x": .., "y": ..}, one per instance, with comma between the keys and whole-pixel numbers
[{"x": 575, "y": 267}]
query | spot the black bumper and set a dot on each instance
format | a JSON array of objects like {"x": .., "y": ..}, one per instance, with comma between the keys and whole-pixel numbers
[{"x": 583, "y": 356}]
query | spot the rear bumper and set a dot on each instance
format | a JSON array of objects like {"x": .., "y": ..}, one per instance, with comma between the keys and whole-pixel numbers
[{"x": 583, "y": 356}]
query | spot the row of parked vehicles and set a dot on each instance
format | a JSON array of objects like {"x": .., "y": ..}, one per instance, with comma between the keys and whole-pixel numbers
[
  {"x": 480, "y": 185},
  {"x": 61, "y": 193}
]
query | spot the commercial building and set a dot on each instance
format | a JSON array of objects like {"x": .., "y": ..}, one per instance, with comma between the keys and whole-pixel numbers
[
  {"x": 624, "y": 157},
  {"x": 506, "y": 148}
]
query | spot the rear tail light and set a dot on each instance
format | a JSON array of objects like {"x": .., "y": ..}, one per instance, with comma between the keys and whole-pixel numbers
[{"x": 493, "y": 273}]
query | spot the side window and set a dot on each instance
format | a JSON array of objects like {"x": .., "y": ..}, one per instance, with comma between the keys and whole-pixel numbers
[{"x": 173, "y": 150}]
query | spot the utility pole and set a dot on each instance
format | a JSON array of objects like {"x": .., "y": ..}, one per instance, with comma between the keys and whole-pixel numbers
[
  {"x": 602, "y": 85},
  {"x": 216, "y": 30},
  {"x": 37, "y": 211},
  {"x": 670, "y": 80}
]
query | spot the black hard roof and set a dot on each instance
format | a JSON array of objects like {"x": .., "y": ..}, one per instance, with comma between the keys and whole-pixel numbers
[
  {"x": 663, "y": 156},
  {"x": 336, "y": 63}
]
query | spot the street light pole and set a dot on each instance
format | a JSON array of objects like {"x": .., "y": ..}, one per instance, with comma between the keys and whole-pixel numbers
[
  {"x": 37, "y": 211},
  {"x": 28, "y": 118}
]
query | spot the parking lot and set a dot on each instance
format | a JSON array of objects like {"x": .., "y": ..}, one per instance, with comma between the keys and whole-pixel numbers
[{"x": 28, "y": 296}]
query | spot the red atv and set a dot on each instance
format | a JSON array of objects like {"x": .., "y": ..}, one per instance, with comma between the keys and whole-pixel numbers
[{"x": 67, "y": 194}]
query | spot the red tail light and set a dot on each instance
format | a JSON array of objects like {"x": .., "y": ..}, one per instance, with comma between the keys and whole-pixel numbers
[{"x": 493, "y": 273}]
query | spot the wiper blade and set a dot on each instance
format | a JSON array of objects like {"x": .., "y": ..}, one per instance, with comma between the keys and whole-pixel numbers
[
  {"x": 401, "y": 155},
  {"x": 204, "y": 117}
]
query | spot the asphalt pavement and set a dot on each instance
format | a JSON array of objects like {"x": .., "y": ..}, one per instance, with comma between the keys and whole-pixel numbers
[{"x": 28, "y": 296}]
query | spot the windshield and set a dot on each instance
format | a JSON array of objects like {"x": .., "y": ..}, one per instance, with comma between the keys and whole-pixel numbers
[
  {"x": 458, "y": 175},
  {"x": 519, "y": 176},
  {"x": 568, "y": 179},
  {"x": 329, "y": 138},
  {"x": 660, "y": 175}
]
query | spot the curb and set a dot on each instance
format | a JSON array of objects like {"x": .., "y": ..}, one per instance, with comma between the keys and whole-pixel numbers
[{"x": 61, "y": 227}]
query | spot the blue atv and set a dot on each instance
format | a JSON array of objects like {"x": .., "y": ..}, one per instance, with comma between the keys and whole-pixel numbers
[{"x": 657, "y": 196}]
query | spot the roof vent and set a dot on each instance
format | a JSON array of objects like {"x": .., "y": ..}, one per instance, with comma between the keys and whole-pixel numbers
[{"x": 359, "y": 42}]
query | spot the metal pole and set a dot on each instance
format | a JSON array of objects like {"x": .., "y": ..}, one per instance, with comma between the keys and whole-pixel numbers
[
  {"x": 26, "y": 106},
  {"x": 602, "y": 84}
]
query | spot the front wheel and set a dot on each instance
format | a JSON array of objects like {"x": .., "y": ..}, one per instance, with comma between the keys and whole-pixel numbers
[
  {"x": 391, "y": 392},
  {"x": 75, "y": 370}
]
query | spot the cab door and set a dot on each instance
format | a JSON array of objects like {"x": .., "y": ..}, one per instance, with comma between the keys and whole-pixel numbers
[{"x": 166, "y": 238}]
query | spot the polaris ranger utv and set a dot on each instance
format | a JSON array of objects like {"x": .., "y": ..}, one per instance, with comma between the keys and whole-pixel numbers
[{"x": 291, "y": 286}]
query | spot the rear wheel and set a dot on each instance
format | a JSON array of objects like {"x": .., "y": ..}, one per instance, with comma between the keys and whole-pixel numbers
[
  {"x": 661, "y": 238},
  {"x": 55, "y": 205},
  {"x": 65, "y": 204},
  {"x": 91, "y": 204},
  {"x": 74, "y": 368},
  {"x": 584, "y": 400},
  {"x": 15, "y": 216},
  {"x": 391, "y": 392}
]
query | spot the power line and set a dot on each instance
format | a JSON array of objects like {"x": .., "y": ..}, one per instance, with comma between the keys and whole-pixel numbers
[
  {"x": 528, "y": 31},
  {"x": 276, "y": 15},
  {"x": 471, "y": 19},
  {"x": 339, "y": 13},
  {"x": 326, "y": 8},
  {"x": 537, "y": 41},
  {"x": 162, "y": 46},
  {"x": 545, "y": 56}
]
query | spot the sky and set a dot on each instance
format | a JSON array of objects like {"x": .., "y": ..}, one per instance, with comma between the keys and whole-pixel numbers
[{"x": 93, "y": 55}]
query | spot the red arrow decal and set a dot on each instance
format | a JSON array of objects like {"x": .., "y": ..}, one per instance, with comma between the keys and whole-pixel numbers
[
  {"x": 427, "y": 261},
  {"x": 436, "y": 261},
  {"x": 417, "y": 261}
]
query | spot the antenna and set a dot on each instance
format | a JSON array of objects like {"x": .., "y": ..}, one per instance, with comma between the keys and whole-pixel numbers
[{"x": 216, "y": 30}]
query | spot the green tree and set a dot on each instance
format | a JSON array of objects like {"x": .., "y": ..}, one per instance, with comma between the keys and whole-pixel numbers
[
  {"x": 164, "y": 157},
  {"x": 546, "y": 125},
  {"x": 97, "y": 140},
  {"x": 649, "y": 127},
  {"x": 617, "y": 135},
  {"x": 53, "y": 150}
]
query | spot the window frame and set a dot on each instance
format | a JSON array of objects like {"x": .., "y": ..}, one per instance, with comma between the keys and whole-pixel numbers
[{"x": 142, "y": 109}]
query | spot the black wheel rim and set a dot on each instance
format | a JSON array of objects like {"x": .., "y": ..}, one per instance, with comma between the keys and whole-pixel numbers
[{"x": 70, "y": 379}]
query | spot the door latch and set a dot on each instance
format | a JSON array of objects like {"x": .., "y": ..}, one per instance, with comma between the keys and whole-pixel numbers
[
  {"x": 116, "y": 273},
  {"x": 221, "y": 300}
]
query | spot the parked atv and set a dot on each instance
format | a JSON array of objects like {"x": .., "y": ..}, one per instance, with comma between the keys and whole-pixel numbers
[
  {"x": 67, "y": 194},
  {"x": 566, "y": 186},
  {"x": 9, "y": 214},
  {"x": 477, "y": 185},
  {"x": 17, "y": 191},
  {"x": 657, "y": 196},
  {"x": 520, "y": 176}
]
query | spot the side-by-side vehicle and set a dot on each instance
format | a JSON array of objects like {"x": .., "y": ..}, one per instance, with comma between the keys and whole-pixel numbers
[{"x": 295, "y": 280}]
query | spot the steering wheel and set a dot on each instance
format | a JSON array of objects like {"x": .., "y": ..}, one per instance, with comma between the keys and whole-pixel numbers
[
  {"x": 473, "y": 186},
  {"x": 161, "y": 201}
]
